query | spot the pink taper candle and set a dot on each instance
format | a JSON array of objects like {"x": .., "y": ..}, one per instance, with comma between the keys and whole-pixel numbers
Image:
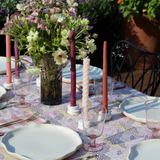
[
  {"x": 8, "y": 57},
  {"x": 85, "y": 94},
  {"x": 16, "y": 55},
  {"x": 73, "y": 69},
  {"x": 105, "y": 85}
]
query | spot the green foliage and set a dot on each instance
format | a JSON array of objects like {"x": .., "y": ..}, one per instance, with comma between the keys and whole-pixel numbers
[
  {"x": 138, "y": 7},
  {"x": 96, "y": 10},
  {"x": 7, "y": 7}
]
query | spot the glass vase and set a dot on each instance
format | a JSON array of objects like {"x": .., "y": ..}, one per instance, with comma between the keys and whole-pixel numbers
[{"x": 51, "y": 81}]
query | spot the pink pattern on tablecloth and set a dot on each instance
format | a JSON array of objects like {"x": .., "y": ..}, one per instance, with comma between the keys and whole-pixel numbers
[
  {"x": 145, "y": 132},
  {"x": 53, "y": 114},
  {"x": 110, "y": 131},
  {"x": 124, "y": 119},
  {"x": 3, "y": 130}
]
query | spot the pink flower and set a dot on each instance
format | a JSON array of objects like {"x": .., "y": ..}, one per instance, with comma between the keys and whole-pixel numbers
[
  {"x": 34, "y": 14},
  {"x": 26, "y": 9},
  {"x": 42, "y": 25},
  {"x": 16, "y": 14},
  {"x": 45, "y": 2},
  {"x": 54, "y": 10},
  {"x": 43, "y": 22},
  {"x": 37, "y": 20},
  {"x": 46, "y": 11}
]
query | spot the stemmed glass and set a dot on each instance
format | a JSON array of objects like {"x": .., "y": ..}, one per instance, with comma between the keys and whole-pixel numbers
[
  {"x": 21, "y": 85},
  {"x": 98, "y": 87},
  {"x": 93, "y": 124},
  {"x": 152, "y": 108}
]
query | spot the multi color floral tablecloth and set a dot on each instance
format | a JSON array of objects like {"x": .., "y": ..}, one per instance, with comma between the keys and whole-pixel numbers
[{"x": 119, "y": 134}]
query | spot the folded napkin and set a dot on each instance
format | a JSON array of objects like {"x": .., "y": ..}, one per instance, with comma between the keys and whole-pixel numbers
[
  {"x": 6, "y": 129},
  {"x": 27, "y": 61},
  {"x": 117, "y": 85}
]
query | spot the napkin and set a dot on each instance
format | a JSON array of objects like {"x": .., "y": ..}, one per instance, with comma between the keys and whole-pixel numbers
[
  {"x": 6, "y": 129},
  {"x": 117, "y": 85},
  {"x": 27, "y": 61}
]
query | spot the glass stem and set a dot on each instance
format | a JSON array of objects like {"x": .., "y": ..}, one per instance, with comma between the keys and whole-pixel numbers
[
  {"x": 154, "y": 134},
  {"x": 22, "y": 100},
  {"x": 93, "y": 142}
]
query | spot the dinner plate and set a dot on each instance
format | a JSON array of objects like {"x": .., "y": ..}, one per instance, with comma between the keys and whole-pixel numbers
[
  {"x": 2, "y": 92},
  {"x": 145, "y": 150},
  {"x": 134, "y": 108},
  {"x": 93, "y": 73},
  {"x": 3, "y": 65},
  {"x": 41, "y": 142}
]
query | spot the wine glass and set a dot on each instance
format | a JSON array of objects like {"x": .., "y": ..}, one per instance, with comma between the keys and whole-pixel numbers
[
  {"x": 93, "y": 124},
  {"x": 152, "y": 108},
  {"x": 21, "y": 85},
  {"x": 98, "y": 87}
]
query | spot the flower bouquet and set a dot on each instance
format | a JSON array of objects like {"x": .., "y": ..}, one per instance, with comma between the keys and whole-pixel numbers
[{"x": 42, "y": 30}]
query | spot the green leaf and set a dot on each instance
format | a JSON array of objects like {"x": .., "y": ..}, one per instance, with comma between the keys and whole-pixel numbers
[
  {"x": 146, "y": 5},
  {"x": 8, "y": 59},
  {"x": 125, "y": 14}
]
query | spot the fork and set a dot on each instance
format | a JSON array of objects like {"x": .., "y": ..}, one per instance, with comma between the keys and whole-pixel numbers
[{"x": 19, "y": 120}]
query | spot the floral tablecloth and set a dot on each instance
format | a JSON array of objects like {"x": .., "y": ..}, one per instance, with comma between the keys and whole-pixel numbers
[{"x": 119, "y": 134}]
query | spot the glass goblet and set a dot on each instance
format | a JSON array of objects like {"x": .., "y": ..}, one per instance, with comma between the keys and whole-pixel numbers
[
  {"x": 152, "y": 108},
  {"x": 21, "y": 85},
  {"x": 98, "y": 87},
  {"x": 93, "y": 124}
]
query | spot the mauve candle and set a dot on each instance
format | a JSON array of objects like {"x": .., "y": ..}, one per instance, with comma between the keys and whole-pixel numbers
[
  {"x": 73, "y": 69},
  {"x": 16, "y": 55},
  {"x": 105, "y": 87},
  {"x": 8, "y": 57}
]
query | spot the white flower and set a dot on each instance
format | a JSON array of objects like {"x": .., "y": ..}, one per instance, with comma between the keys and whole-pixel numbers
[
  {"x": 73, "y": 9},
  {"x": 19, "y": 7},
  {"x": 91, "y": 46},
  {"x": 72, "y": 3},
  {"x": 32, "y": 36},
  {"x": 33, "y": 70},
  {"x": 82, "y": 53},
  {"x": 60, "y": 18},
  {"x": 65, "y": 42},
  {"x": 85, "y": 21},
  {"x": 60, "y": 56},
  {"x": 65, "y": 33}
]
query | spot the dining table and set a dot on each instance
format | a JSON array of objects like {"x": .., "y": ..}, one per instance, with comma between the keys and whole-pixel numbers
[{"x": 119, "y": 133}]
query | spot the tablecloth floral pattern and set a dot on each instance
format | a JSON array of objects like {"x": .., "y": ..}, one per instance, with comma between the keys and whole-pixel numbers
[{"x": 119, "y": 134}]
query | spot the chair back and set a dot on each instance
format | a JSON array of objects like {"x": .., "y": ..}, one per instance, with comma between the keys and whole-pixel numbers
[{"x": 123, "y": 67}]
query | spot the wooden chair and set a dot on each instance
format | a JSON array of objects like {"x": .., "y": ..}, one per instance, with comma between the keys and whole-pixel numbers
[{"x": 125, "y": 58}]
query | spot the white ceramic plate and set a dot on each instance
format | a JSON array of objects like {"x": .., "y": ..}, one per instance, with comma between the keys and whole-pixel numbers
[
  {"x": 2, "y": 92},
  {"x": 93, "y": 73},
  {"x": 41, "y": 142},
  {"x": 134, "y": 108},
  {"x": 145, "y": 150},
  {"x": 3, "y": 65}
]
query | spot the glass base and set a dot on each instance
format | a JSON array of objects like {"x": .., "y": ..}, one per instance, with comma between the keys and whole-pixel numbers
[
  {"x": 155, "y": 135},
  {"x": 55, "y": 102},
  {"x": 22, "y": 105},
  {"x": 87, "y": 147}
]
